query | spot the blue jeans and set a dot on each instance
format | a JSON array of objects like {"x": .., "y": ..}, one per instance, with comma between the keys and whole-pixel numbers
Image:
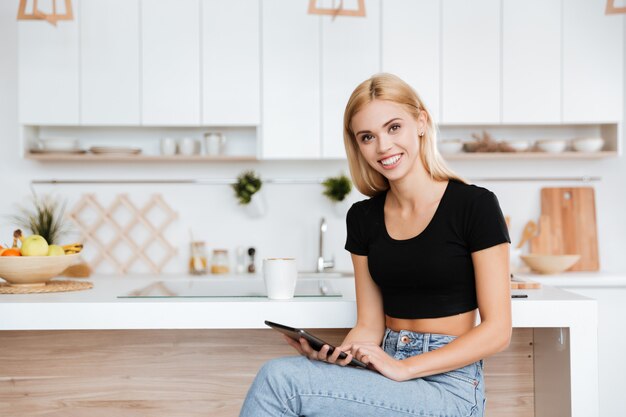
[{"x": 298, "y": 386}]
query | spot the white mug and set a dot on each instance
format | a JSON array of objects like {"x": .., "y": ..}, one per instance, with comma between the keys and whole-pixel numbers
[
  {"x": 280, "y": 276},
  {"x": 188, "y": 146},
  {"x": 214, "y": 143},
  {"x": 168, "y": 146}
]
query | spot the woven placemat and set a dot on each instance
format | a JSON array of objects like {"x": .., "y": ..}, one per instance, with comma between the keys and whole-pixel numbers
[{"x": 51, "y": 286}]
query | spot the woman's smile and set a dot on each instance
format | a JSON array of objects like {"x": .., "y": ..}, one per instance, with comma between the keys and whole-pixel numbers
[{"x": 391, "y": 162}]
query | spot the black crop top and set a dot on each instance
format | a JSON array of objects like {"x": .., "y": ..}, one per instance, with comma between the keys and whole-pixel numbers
[{"x": 431, "y": 274}]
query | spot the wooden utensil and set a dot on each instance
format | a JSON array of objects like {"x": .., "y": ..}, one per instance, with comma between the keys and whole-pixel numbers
[
  {"x": 541, "y": 243},
  {"x": 570, "y": 222},
  {"x": 529, "y": 231}
]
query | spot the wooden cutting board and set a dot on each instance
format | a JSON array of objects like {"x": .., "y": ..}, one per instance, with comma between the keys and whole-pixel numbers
[{"x": 568, "y": 226}]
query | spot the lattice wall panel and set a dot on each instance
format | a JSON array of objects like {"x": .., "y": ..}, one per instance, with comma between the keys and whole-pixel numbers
[{"x": 123, "y": 235}]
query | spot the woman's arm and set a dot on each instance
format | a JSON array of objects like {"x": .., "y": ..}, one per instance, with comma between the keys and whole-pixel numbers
[
  {"x": 370, "y": 322},
  {"x": 370, "y": 326},
  {"x": 492, "y": 335}
]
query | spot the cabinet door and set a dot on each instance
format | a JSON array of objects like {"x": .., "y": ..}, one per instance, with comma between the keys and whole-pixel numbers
[
  {"x": 230, "y": 62},
  {"x": 531, "y": 61},
  {"x": 291, "y": 80},
  {"x": 109, "y": 62},
  {"x": 350, "y": 55},
  {"x": 471, "y": 62},
  {"x": 170, "y": 34},
  {"x": 592, "y": 63},
  {"x": 48, "y": 71},
  {"x": 411, "y": 50}
]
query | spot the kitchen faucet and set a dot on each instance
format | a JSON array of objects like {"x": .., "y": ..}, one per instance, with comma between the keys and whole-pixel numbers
[{"x": 323, "y": 264}]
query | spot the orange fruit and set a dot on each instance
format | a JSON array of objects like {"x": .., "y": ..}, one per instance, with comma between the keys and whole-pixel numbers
[{"x": 11, "y": 252}]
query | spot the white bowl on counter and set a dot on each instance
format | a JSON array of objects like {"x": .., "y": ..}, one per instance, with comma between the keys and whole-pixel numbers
[
  {"x": 519, "y": 145},
  {"x": 587, "y": 144},
  {"x": 448, "y": 146},
  {"x": 551, "y": 145}
]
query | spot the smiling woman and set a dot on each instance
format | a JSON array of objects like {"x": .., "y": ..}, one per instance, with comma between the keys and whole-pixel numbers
[{"x": 430, "y": 252}]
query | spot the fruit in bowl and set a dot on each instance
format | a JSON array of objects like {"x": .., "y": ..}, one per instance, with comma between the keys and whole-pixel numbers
[{"x": 35, "y": 262}]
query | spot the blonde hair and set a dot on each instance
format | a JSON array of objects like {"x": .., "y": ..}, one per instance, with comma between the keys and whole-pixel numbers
[{"x": 386, "y": 86}]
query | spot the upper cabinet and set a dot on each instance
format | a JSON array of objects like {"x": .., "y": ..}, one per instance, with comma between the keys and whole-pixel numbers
[
  {"x": 170, "y": 45},
  {"x": 531, "y": 61},
  {"x": 109, "y": 65},
  {"x": 230, "y": 62},
  {"x": 593, "y": 68},
  {"x": 48, "y": 72},
  {"x": 291, "y": 80},
  {"x": 470, "y": 56},
  {"x": 411, "y": 50},
  {"x": 350, "y": 55}
]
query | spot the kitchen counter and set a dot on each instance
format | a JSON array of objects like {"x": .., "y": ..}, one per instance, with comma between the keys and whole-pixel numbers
[
  {"x": 207, "y": 305},
  {"x": 563, "y": 326}
]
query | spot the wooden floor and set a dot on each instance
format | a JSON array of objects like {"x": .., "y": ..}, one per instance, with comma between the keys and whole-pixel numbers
[{"x": 183, "y": 373}]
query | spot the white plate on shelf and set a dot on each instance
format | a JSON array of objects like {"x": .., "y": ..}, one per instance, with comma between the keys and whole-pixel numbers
[{"x": 116, "y": 150}]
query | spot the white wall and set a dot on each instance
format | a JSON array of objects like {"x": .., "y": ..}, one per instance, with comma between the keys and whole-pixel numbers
[{"x": 291, "y": 225}]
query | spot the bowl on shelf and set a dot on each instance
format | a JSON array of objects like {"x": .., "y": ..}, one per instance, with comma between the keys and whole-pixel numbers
[
  {"x": 587, "y": 144},
  {"x": 551, "y": 145},
  {"x": 58, "y": 144},
  {"x": 550, "y": 264},
  {"x": 33, "y": 270},
  {"x": 448, "y": 146},
  {"x": 519, "y": 145}
]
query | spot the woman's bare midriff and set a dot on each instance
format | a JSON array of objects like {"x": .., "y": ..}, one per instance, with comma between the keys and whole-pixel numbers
[{"x": 452, "y": 325}]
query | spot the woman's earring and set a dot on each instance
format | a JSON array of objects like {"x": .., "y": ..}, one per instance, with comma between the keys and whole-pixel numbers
[{"x": 421, "y": 134}]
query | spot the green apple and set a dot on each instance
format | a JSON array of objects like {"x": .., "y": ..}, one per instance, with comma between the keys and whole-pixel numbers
[
  {"x": 55, "y": 250},
  {"x": 34, "y": 245}
]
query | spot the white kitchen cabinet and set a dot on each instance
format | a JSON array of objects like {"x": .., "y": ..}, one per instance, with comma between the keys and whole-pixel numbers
[
  {"x": 109, "y": 62},
  {"x": 230, "y": 62},
  {"x": 170, "y": 62},
  {"x": 593, "y": 68},
  {"x": 411, "y": 51},
  {"x": 350, "y": 55},
  {"x": 470, "y": 62},
  {"x": 48, "y": 72},
  {"x": 291, "y": 80},
  {"x": 531, "y": 61}
]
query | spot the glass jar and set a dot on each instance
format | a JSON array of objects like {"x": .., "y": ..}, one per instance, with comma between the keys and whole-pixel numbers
[
  {"x": 219, "y": 262},
  {"x": 198, "y": 261}
]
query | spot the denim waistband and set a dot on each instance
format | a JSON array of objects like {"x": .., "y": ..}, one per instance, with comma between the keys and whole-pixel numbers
[{"x": 417, "y": 342}]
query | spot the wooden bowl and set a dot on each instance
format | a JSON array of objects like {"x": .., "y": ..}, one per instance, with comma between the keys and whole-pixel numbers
[
  {"x": 550, "y": 264},
  {"x": 33, "y": 270}
]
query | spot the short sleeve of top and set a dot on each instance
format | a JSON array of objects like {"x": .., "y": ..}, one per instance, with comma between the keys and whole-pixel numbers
[
  {"x": 356, "y": 240},
  {"x": 485, "y": 224}
]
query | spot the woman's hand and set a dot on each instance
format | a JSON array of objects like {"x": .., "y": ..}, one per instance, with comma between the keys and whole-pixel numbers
[
  {"x": 305, "y": 349},
  {"x": 377, "y": 359}
]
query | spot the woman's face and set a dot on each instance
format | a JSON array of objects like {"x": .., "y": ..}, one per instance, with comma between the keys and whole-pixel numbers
[{"x": 388, "y": 137}]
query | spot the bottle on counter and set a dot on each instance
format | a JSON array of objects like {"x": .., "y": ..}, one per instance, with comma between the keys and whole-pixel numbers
[
  {"x": 251, "y": 267},
  {"x": 240, "y": 266},
  {"x": 219, "y": 262},
  {"x": 198, "y": 261}
]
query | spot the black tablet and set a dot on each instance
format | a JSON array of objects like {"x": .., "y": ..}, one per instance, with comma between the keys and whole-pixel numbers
[{"x": 315, "y": 342}]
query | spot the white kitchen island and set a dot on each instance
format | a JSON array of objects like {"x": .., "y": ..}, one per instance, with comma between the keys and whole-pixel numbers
[{"x": 564, "y": 325}]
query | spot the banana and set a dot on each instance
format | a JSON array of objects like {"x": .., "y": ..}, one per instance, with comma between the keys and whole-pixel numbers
[{"x": 72, "y": 248}]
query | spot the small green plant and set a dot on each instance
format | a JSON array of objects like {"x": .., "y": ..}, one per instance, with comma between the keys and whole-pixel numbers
[
  {"x": 248, "y": 183},
  {"x": 337, "y": 188},
  {"x": 44, "y": 218}
]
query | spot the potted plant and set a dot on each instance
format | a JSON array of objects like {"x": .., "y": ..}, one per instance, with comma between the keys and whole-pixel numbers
[
  {"x": 247, "y": 189},
  {"x": 45, "y": 218},
  {"x": 337, "y": 189}
]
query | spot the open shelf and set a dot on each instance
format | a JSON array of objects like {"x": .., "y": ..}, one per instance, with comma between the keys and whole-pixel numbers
[
  {"x": 529, "y": 155},
  {"x": 59, "y": 157}
]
